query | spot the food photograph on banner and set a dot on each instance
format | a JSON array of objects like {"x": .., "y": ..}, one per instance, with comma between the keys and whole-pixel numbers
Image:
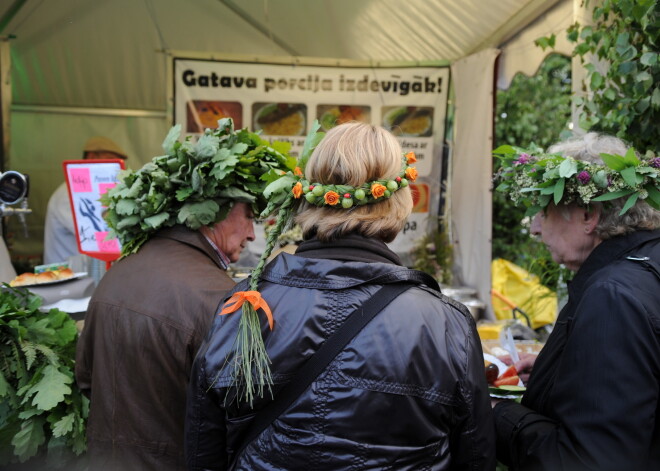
[{"x": 281, "y": 102}]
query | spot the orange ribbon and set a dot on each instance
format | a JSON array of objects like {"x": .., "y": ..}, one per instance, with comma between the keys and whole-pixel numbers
[{"x": 252, "y": 297}]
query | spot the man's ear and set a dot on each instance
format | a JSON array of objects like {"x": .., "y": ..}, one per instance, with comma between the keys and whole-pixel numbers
[{"x": 590, "y": 217}]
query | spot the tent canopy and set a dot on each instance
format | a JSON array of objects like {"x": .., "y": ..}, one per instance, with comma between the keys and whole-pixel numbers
[
  {"x": 85, "y": 53},
  {"x": 79, "y": 68}
]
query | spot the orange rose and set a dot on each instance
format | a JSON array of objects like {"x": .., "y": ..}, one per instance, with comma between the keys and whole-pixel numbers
[
  {"x": 410, "y": 158},
  {"x": 377, "y": 190},
  {"x": 297, "y": 190},
  {"x": 331, "y": 198},
  {"x": 297, "y": 172},
  {"x": 411, "y": 174}
]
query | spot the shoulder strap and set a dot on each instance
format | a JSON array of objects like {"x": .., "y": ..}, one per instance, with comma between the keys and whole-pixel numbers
[
  {"x": 321, "y": 359},
  {"x": 649, "y": 264}
]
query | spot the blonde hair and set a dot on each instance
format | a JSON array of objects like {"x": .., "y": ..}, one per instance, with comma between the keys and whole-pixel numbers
[
  {"x": 352, "y": 154},
  {"x": 640, "y": 216}
]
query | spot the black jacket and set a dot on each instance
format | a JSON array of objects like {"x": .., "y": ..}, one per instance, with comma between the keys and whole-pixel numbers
[
  {"x": 408, "y": 393},
  {"x": 593, "y": 399}
]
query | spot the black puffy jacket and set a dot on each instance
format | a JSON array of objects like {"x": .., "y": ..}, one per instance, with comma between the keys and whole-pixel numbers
[{"x": 408, "y": 393}]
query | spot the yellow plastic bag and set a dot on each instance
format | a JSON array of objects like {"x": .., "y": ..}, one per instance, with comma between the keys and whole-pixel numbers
[{"x": 525, "y": 290}]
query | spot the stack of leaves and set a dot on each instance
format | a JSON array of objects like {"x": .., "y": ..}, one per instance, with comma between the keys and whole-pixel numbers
[
  {"x": 195, "y": 183},
  {"x": 536, "y": 179},
  {"x": 42, "y": 412}
]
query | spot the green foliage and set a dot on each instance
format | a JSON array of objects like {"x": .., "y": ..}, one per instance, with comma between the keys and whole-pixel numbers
[
  {"x": 41, "y": 410},
  {"x": 625, "y": 100},
  {"x": 433, "y": 253},
  {"x": 194, "y": 183},
  {"x": 532, "y": 110},
  {"x": 535, "y": 179}
]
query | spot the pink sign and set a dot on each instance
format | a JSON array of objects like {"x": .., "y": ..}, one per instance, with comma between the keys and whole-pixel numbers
[
  {"x": 103, "y": 187},
  {"x": 80, "y": 179},
  {"x": 108, "y": 246}
]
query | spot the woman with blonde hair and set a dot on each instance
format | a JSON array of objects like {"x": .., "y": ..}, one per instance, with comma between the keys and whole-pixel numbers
[
  {"x": 404, "y": 390},
  {"x": 593, "y": 397}
]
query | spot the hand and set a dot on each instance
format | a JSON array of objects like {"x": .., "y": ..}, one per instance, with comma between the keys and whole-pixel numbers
[
  {"x": 523, "y": 366},
  {"x": 494, "y": 402}
]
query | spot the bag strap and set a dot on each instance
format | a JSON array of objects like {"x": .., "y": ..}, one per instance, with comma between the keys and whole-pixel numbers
[
  {"x": 649, "y": 264},
  {"x": 321, "y": 359}
]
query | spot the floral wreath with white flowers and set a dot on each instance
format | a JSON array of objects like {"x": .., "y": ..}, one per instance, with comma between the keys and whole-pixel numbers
[{"x": 535, "y": 179}]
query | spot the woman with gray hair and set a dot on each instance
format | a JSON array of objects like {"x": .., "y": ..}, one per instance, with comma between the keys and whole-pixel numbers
[
  {"x": 405, "y": 392},
  {"x": 593, "y": 397}
]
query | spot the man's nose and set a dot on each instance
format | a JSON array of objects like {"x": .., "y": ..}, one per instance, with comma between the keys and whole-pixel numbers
[{"x": 250, "y": 235}]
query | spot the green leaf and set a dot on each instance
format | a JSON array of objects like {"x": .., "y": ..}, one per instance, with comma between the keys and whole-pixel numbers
[
  {"x": 655, "y": 98},
  {"x": 64, "y": 425},
  {"x": 654, "y": 193},
  {"x": 51, "y": 389},
  {"x": 615, "y": 162},
  {"x": 311, "y": 141},
  {"x": 549, "y": 190},
  {"x": 546, "y": 41},
  {"x": 237, "y": 194},
  {"x": 649, "y": 58},
  {"x": 630, "y": 176},
  {"x": 196, "y": 215},
  {"x": 627, "y": 67},
  {"x": 559, "y": 190},
  {"x": 4, "y": 385},
  {"x": 505, "y": 150},
  {"x": 643, "y": 104},
  {"x": 600, "y": 179},
  {"x": 128, "y": 221},
  {"x": 283, "y": 184},
  {"x": 613, "y": 195},
  {"x": 157, "y": 220},
  {"x": 183, "y": 194},
  {"x": 631, "y": 201},
  {"x": 568, "y": 168},
  {"x": 29, "y": 438},
  {"x": 126, "y": 207},
  {"x": 596, "y": 81},
  {"x": 631, "y": 158},
  {"x": 610, "y": 94}
]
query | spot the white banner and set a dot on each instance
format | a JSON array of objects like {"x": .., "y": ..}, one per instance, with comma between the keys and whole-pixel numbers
[{"x": 282, "y": 101}]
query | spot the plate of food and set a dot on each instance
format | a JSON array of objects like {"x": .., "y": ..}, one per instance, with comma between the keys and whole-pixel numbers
[
  {"x": 280, "y": 119},
  {"x": 332, "y": 115},
  {"x": 409, "y": 121},
  {"x": 46, "y": 278},
  {"x": 503, "y": 381}
]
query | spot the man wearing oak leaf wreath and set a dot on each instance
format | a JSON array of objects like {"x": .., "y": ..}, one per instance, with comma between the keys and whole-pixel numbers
[{"x": 181, "y": 219}]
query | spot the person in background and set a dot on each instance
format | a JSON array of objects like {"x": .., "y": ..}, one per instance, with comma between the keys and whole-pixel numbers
[
  {"x": 593, "y": 397},
  {"x": 151, "y": 310},
  {"x": 59, "y": 233},
  {"x": 408, "y": 392}
]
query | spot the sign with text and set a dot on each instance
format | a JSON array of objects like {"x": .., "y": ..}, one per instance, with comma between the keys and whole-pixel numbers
[
  {"x": 86, "y": 181},
  {"x": 282, "y": 102}
]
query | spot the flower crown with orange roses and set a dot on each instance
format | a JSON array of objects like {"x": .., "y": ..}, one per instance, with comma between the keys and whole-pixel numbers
[{"x": 285, "y": 192}]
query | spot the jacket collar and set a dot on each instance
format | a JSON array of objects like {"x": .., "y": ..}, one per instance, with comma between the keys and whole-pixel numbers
[
  {"x": 609, "y": 251},
  {"x": 193, "y": 239},
  {"x": 350, "y": 248},
  {"x": 331, "y": 268}
]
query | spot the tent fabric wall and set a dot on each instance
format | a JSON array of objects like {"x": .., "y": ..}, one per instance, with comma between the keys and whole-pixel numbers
[
  {"x": 521, "y": 55},
  {"x": 471, "y": 172},
  {"x": 111, "y": 55},
  {"x": 41, "y": 141}
]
